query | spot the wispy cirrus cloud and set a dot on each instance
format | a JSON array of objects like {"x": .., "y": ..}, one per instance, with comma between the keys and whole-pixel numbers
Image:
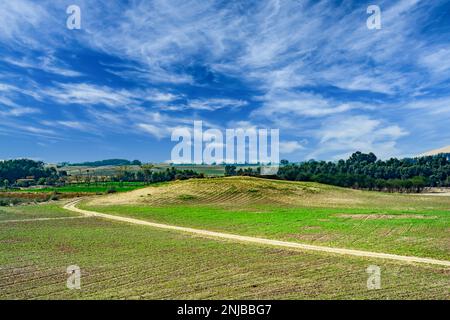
[
  {"x": 87, "y": 94},
  {"x": 48, "y": 64},
  {"x": 20, "y": 20},
  {"x": 91, "y": 94},
  {"x": 10, "y": 108},
  {"x": 310, "y": 68},
  {"x": 209, "y": 104},
  {"x": 303, "y": 104}
]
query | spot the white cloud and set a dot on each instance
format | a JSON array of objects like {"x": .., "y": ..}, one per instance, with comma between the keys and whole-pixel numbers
[
  {"x": 19, "y": 111},
  {"x": 91, "y": 94},
  {"x": 281, "y": 51},
  {"x": 438, "y": 61},
  {"x": 302, "y": 104},
  {"x": 72, "y": 124},
  {"x": 81, "y": 93},
  {"x": 157, "y": 132},
  {"x": 434, "y": 106},
  {"x": 162, "y": 97},
  {"x": 40, "y": 131},
  {"x": 10, "y": 108},
  {"x": 20, "y": 19},
  {"x": 341, "y": 136},
  {"x": 290, "y": 146},
  {"x": 215, "y": 104},
  {"x": 48, "y": 64},
  {"x": 67, "y": 124}
]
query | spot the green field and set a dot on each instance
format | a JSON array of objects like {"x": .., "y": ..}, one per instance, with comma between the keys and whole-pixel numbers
[
  {"x": 325, "y": 215},
  {"x": 99, "y": 187},
  {"x": 119, "y": 260},
  {"x": 426, "y": 236},
  {"x": 53, "y": 210}
]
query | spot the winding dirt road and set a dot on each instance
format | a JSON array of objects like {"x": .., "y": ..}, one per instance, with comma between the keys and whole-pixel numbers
[{"x": 284, "y": 244}]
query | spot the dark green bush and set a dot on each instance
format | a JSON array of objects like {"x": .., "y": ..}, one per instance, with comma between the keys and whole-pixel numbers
[{"x": 111, "y": 190}]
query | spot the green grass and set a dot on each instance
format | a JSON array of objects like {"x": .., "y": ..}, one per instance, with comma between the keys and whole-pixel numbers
[
  {"x": 53, "y": 210},
  {"x": 302, "y": 212},
  {"x": 425, "y": 237},
  {"x": 122, "y": 261}
]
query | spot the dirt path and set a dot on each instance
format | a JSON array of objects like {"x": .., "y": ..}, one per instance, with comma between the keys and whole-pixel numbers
[{"x": 211, "y": 234}]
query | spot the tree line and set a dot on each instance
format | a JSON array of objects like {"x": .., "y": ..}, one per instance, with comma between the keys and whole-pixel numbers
[
  {"x": 12, "y": 171},
  {"x": 147, "y": 174},
  {"x": 25, "y": 172},
  {"x": 365, "y": 171},
  {"x": 101, "y": 163}
]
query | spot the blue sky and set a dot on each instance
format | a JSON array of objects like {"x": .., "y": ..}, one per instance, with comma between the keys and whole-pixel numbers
[{"x": 138, "y": 69}]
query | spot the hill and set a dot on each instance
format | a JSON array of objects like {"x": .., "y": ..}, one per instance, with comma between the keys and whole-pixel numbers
[
  {"x": 108, "y": 162},
  {"x": 437, "y": 151},
  {"x": 241, "y": 192}
]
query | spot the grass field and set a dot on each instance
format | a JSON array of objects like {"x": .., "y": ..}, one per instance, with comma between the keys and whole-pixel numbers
[
  {"x": 53, "y": 210},
  {"x": 38, "y": 195},
  {"x": 303, "y": 212},
  {"x": 99, "y": 187},
  {"x": 126, "y": 261},
  {"x": 119, "y": 260}
]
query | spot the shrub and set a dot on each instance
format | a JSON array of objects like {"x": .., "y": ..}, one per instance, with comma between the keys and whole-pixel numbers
[
  {"x": 10, "y": 201},
  {"x": 186, "y": 197},
  {"x": 111, "y": 190},
  {"x": 53, "y": 197}
]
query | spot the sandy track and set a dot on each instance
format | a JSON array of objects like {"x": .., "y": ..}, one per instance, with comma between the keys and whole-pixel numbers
[{"x": 284, "y": 244}]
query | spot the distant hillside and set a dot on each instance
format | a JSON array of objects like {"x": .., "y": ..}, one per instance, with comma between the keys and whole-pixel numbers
[
  {"x": 108, "y": 162},
  {"x": 437, "y": 151}
]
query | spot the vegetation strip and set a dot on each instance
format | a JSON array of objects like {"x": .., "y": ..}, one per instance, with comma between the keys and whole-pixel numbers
[
  {"x": 72, "y": 207},
  {"x": 42, "y": 219}
]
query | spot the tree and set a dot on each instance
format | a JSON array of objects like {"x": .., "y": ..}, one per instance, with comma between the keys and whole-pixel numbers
[
  {"x": 147, "y": 170},
  {"x": 12, "y": 170},
  {"x": 447, "y": 182},
  {"x": 230, "y": 170},
  {"x": 6, "y": 184},
  {"x": 419, "y": 183}
]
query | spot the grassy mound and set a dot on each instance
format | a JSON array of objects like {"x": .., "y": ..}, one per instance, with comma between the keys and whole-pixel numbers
[{"x": 244, "y": 192}]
